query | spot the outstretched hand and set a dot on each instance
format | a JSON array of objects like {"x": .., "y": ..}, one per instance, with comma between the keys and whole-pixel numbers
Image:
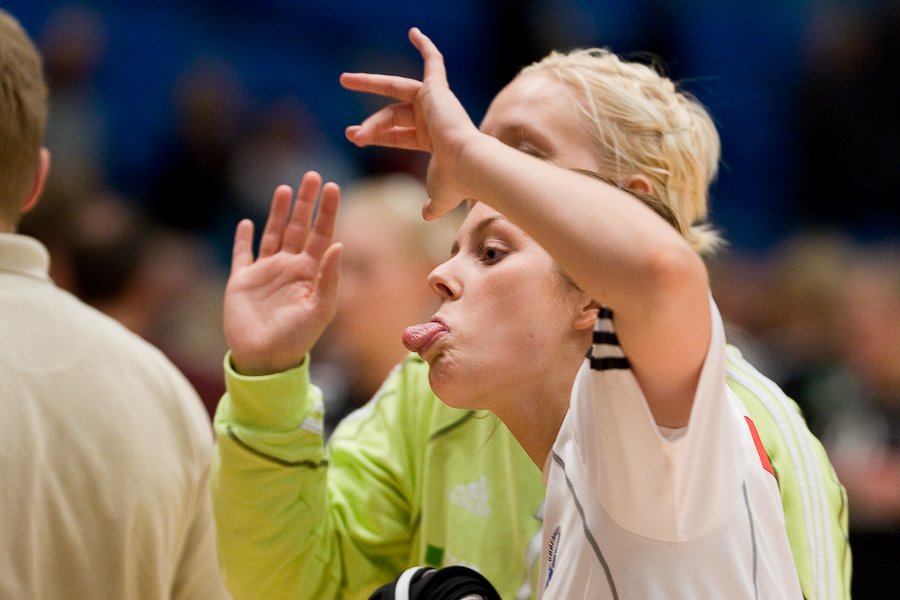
[
  {"x": 277, "y": 305},
  {"x": 427, "y": 117}
]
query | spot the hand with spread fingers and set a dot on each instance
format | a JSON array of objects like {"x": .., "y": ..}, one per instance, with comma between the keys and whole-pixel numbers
[
  {"x": 277, "y": 305},
  {"x": 427, "y": 117}
]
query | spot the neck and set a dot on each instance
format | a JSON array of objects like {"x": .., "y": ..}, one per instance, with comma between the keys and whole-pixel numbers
[
  {"x": 534, "y": 413},
  {"x": 536, "y": 427},
  {"x": 537, "y": 438}
]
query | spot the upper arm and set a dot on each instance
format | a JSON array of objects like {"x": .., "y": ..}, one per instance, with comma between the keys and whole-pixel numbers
[{"x": 665, "y": 332}]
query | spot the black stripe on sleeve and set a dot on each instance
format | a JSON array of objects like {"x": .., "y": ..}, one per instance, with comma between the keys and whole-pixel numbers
[{"x": 608, "y": 363}]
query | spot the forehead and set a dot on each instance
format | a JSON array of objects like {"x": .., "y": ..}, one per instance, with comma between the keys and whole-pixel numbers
[
  {"x": 537, "y": 113},
  {"x": 481, "y": 219},
  {"x": 479, "y": 211}
]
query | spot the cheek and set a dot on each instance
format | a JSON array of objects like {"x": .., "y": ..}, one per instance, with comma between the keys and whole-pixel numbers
[{"x": 547, "y": 296}]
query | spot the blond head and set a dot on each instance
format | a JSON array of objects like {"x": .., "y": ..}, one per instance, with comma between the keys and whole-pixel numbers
[
  {"x": 398, "y": 198},
  {"x": 643, "y": 125}
]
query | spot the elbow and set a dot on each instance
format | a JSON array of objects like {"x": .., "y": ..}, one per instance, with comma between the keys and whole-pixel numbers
[{"x": 675, "y": 270}]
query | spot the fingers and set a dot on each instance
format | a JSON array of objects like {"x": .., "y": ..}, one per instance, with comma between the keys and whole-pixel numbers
[
  {"x": 403, "y": 138},
  {"x": 297, "y": 229},
  {"x": 242, "y": 251},
  {"x": 272, "y": 234},
  {"x": 434, "y": 60},
  {"x": 430, "y": 211},
  {"x": 322, "y": 233},
  {"x": 393, "y": 126},
  {"x": 400, "y": 88},
  {"x": 293, "y": 230}
]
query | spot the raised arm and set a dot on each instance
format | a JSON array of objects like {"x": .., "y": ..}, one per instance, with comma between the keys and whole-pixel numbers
[
  {"x": 287, "y": 522},
  {"x": 613, "y": 247}
]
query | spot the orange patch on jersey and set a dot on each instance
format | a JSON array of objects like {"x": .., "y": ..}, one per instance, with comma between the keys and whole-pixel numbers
[{"x": 760, "y": 449}]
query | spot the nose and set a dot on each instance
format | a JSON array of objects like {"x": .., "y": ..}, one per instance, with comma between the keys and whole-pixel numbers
[{"x": 443, "y": 283}]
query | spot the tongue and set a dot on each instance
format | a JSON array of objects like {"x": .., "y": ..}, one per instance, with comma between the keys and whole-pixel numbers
[{"x": 416, "y": 336}]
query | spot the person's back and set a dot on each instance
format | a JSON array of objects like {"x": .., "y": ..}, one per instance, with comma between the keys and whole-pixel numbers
[
  {"x": 105, "y": 451},
  {"x": 105, "y": 446}
]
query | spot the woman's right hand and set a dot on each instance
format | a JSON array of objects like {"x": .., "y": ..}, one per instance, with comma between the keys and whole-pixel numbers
[
  {"x": 277, "y": 305},
  {"x": 427, "y": 117}
]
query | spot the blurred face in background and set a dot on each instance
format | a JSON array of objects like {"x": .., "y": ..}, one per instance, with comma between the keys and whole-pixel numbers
[
  {"x": 383, "y": 288},
  {"x": 869, "y": 327}
]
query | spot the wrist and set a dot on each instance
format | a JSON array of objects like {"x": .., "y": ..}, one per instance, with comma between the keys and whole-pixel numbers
[
  {"x": 259, "y": 368},
  {"x": 471, "y": 163}
]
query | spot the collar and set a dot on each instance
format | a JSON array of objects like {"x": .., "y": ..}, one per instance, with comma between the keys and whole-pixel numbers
[{"x": 23, "y": 255}]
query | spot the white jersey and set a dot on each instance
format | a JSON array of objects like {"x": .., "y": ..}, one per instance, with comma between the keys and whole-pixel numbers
[{"x": 636, "y": 511}]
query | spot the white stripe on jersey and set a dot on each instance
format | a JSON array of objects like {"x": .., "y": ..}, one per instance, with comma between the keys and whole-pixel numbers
[{"x": 803, "y": 459}]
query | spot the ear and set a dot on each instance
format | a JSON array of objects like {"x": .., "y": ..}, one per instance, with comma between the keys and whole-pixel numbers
[
  {"x": 587, "y": 316},
  {"x": 37, "y": 184},
  {"x": 639, "y": 183}
]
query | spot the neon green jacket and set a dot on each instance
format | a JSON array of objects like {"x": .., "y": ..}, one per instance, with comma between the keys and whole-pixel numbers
[{"x": 407, "y": 480}]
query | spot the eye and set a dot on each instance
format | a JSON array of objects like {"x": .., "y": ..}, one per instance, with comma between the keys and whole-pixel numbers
[{"x": 490, "y": 254}]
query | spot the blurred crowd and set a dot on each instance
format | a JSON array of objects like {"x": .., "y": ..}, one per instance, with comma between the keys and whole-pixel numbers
[{"x": 209, "y": 105}]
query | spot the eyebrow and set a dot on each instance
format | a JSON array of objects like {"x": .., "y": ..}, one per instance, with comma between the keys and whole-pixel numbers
[{"x": 479, "y": 230}]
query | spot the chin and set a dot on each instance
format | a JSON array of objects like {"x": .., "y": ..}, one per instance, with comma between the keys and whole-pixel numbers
[
  {"x": 452, "y": 383},
  {"x": 448, "y": 391},
  {"x": 444, "y": 392}
]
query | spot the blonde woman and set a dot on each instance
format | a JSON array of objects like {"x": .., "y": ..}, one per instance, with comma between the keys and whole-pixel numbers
[{"x": 657, "y": 486}]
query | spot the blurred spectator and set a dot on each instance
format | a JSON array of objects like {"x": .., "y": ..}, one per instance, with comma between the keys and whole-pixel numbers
[
  {"x": 781, "y": 308},
  {"x": 161, "y": 284},
  {"x": 190, "y": 190},
  {"x": 739, "y": 283},
  {"x": 807, "y": 276},
  {"x": 74, "y": 43},
  {"x": 862, "y": 434},
  {"x": 387, "y": 247}
]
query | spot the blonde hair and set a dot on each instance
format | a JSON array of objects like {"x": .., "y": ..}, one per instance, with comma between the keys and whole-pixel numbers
[
  {"x": 643, "y": 125},
  {"x": 23, "y": 114},
  {"x": 399, "y": 197}
]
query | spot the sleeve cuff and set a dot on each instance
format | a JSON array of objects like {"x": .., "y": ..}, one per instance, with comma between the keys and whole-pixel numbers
[{"x": 279, "y": 401}]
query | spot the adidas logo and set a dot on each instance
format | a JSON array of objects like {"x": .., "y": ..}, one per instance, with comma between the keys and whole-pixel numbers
[{"x": 473, "y": 497}]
